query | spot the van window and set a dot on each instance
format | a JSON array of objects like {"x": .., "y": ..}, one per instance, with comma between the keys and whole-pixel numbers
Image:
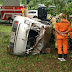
[
  {"x": 15, "y": 24},
  {"x": 32, "y": 12}
]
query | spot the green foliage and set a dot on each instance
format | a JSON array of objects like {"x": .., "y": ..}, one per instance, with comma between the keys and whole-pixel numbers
[
  {"x": 33, "y": 4},
  {"x": 58, "y": 21},
  {"x": 62, "y": 6},
  {"x": 47, "y": 3},
  {"x": 68, "y": 9},
  {"x": 22, "y": 1},
  {"x": 1, "y": 2}
]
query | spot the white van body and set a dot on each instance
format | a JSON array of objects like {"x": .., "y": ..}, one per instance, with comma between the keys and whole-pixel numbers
[
  {"x": 19, "y": 34},
  {"x": 32, "y": 13}
]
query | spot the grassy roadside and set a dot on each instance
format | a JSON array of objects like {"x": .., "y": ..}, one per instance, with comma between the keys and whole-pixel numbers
[{"x": 37, "y": 63}]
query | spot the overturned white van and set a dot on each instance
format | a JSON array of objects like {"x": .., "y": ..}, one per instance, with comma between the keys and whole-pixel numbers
[{"x": 29, "y": 36}]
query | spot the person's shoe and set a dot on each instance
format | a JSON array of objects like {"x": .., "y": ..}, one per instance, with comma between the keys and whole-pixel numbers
[{"x": 61, "y": 59}]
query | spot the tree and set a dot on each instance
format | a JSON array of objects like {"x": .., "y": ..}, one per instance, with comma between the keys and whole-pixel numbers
[
  {"x": 68, "y": 9},
  {"x": 22, "y": 1},
  {"x": 1, "y": 2},
  {"x": 28, "y": 1},
  {"x": 61, "y": 5}
]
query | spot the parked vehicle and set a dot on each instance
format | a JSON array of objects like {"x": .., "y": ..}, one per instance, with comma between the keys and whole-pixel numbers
[
  {"x": 32, "y": 13},
  {"x": 6, "y": 12}
]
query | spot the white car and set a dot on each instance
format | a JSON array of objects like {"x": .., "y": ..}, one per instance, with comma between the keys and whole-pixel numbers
[
  {"x": 27, "y": 36},
  {"x": 32, "y": 13}
]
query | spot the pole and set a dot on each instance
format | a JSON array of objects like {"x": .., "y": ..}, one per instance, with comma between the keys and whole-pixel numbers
[{"x": 26, "y": 9}]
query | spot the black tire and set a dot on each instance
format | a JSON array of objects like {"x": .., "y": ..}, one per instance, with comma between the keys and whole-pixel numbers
[{"x": 10, "y": 20}]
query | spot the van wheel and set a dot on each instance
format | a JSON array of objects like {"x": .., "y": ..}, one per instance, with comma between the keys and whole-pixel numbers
[{"x": 10, "y": 21}]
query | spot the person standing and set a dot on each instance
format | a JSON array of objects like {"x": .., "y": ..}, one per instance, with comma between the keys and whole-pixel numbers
[
  {"x": 25, "y": 11},
  {"x": 62, "y": 29}
]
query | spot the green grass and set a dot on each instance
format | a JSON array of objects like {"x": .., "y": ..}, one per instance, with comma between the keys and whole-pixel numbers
[{"x": 37, "y": 63}]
